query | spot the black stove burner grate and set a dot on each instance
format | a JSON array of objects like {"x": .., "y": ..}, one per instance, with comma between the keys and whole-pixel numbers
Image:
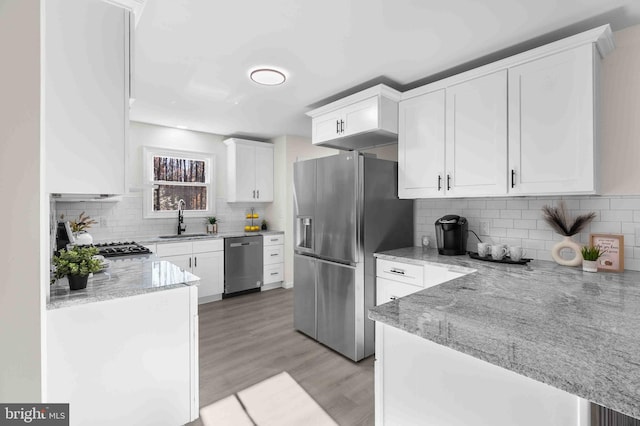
[{"x": 119, "y": 249}]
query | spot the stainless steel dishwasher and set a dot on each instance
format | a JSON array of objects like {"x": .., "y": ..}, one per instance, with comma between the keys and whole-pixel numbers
[{"x": 242, "y": 265}]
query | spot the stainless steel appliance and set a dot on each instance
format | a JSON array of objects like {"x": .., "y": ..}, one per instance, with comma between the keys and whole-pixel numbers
[
  {"x": 451, "y": 235},
  {"x": 346, "y": 208},
  {"x": 242, "y": 265}
]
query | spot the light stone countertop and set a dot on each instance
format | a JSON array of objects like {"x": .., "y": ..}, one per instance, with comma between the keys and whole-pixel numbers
[
  {"x": 125, "y": 277},
  {"x": 220, "y": 235},
  {"x": 574, "y": 330}
]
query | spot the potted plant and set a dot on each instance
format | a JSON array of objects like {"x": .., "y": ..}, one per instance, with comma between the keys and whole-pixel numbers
[
  {"x": 264, "y": 225},
  {"x": 79, "y": 228},
  {"x": 212, "y": 226},
  {"x": 558, "y": 219},
  {"x": 590, "y": 254},
  {"x": 76, "y": 264}
]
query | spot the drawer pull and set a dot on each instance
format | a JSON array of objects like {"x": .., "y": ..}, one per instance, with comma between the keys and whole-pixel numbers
[
  {"x": 396, "y": 271},
  {"x": 394, "y": 297},
  {"x": 274, "y": 273},
  {"x": 274, "y": 254},
  {"x": 274, "y": 239}
]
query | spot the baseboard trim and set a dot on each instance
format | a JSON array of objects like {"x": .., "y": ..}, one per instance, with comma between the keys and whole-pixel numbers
[
  {"x": 208, "y": 299},
  {"x": 271, "y": 286},
  {"x": 287, "y": 285}
]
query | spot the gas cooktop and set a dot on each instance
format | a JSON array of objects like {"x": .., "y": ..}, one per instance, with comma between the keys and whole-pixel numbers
[{"x": 118, "y": 249}]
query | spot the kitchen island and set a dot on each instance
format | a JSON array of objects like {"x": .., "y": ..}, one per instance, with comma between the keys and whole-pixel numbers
[
  {"x": 577, "y": 332},
  {"x": 125, "y": 349}
]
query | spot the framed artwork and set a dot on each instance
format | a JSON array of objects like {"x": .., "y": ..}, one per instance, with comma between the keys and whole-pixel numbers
[{"x": 613, "y": 248}]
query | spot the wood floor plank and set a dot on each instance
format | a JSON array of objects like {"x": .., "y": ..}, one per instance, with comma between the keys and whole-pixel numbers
[{"x": 247, "y": 339}]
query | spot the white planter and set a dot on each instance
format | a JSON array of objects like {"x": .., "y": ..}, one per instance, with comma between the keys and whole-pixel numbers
[
  {"x": 590, "y": 265},
  {"x": 83, "y": 238}
]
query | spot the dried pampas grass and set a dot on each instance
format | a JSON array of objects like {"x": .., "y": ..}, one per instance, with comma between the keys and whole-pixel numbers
[{"x": 557, "y": 218}]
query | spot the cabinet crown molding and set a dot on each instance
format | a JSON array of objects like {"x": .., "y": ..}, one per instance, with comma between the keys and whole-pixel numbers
[
  {"x": 232, "y": 141},
  {"x": 379, "y": 90},
  {"x": 601, "y": 37}
]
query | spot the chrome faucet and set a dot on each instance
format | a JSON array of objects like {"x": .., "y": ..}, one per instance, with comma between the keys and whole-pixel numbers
[{"x": 181, "y": 226}]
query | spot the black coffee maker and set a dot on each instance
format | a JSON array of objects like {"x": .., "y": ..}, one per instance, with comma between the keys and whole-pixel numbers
[{"x": 451, "y": 234}]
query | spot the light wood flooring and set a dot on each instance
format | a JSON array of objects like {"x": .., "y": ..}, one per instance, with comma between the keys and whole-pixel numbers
[{"x": 246, "y": 339}]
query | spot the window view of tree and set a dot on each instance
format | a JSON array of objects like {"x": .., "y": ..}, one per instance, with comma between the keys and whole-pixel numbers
[{"x": 179, "y": 178}]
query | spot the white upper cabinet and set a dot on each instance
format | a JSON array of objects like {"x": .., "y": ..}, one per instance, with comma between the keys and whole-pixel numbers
[
  {"x": 249, "y": 171},
  {"x": 525, "y": 125},
  {"x": 476, "y": 129},
  {"x": 453, "y": 142},
  {"x": 421, "y": 142},
  {"x": 552, "y": 122},
  {"x": 363, "y": 120},
  {"x": 86, "y": 87}
]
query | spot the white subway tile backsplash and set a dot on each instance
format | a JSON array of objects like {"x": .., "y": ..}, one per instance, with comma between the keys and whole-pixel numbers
[
  {"x": 594, "y": 204},
  {"x": 625, "y": 204},
  {"x": 511, "y": 214},
  {"x": 616, "y": 215},
  {"x": 520, "y": 220}
]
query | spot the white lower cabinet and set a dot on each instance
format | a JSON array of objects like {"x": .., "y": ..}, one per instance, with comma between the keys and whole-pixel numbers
[
  {"x": 132, "y": 360},
  {"x": 429, "y": 384},
  {"x": 393, "y": 281},
  {"x": 204, "y": 259},
  {"x": 273, "y": 261}
]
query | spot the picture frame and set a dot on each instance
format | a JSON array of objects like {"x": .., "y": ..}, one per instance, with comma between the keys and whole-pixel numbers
[{"x": 613, "y": 246}]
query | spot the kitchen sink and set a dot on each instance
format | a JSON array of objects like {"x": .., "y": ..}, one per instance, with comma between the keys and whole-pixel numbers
[{"x": 183, "y": 235}]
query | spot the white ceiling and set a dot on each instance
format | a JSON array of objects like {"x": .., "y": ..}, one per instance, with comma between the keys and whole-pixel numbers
[{"x": 193, "y": 56}]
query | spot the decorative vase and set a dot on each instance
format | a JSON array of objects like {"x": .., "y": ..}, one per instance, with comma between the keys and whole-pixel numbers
[
  {"x": 567, "y": 243},
  {"x": 215, "y": 228},
  {"x": 264, "y": 226},
  {"x": 83, "y": 238},
  {"x": 590, "y": 265},
  {"x": 77, "y": 282},
  {"x": 210, "y": 228}
]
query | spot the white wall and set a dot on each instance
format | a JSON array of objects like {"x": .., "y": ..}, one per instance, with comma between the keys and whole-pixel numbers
[
  {"x": 23, "y": 254},
  {"x": 620, "y": 115},
  {"x": 123, "y": 220}
]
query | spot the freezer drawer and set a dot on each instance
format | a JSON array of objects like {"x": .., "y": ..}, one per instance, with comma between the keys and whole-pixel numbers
[
  {"x": 336, "y": 288},
  {"x": 304, "y": 294}
]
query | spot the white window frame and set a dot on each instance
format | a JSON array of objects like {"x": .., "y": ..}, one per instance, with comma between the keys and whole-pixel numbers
[{"x": 149, "y": 184}]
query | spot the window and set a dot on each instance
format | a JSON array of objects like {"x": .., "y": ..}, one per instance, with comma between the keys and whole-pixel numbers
[{"x": 171, "y": 176}]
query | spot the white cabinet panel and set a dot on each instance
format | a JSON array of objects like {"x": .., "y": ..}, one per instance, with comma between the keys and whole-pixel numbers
[
  {"x": 136, "y": 355},
  {"x": 455, "y": 389},
  {"x": 421, "y": 142},
  {"x": 205, "y": 259},
  {"x": 273, "y": 254},
  {"x": 270, "y": 240},
  {"x": 210, "y": 268},
  {"x": 86, "y": 96},
  {"x": 407, "y": 273},
  {"x": 249, "y": 171},
  {"x": 264, "y": 172},
  {"x": 551, "y": 124},
  {"x": 476, "y": 147},
  {"x": 273, "y": 273},
  {"x": 360, "y": 117}
]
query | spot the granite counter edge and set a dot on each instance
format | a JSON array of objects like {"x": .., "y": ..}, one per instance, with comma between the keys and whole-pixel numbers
[{"x": 58, "y": 304}]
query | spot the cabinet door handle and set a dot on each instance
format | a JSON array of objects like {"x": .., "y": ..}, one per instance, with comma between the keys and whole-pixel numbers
[
  {"x": 258, "y": 194},
  {"x": 396, "y": 271},
  {"x": 189, "y": 262},
  {"x": 448, "y": 182},
  {"x": 254, "y": 194},
  {"x": 439, "y": 182},
  {"x": 513, "y": 178},
  {"x": 195, "y": 262},
  {"x": 337, "y": 126},
  {"x": 341, "y": 126}
]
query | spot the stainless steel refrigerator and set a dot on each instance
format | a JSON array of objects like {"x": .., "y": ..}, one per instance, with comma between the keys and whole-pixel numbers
[{"x": 346, "y": 207}]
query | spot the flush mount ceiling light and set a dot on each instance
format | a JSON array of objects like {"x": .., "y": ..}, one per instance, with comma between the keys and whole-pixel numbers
[{"x": 267, "y": 76}]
